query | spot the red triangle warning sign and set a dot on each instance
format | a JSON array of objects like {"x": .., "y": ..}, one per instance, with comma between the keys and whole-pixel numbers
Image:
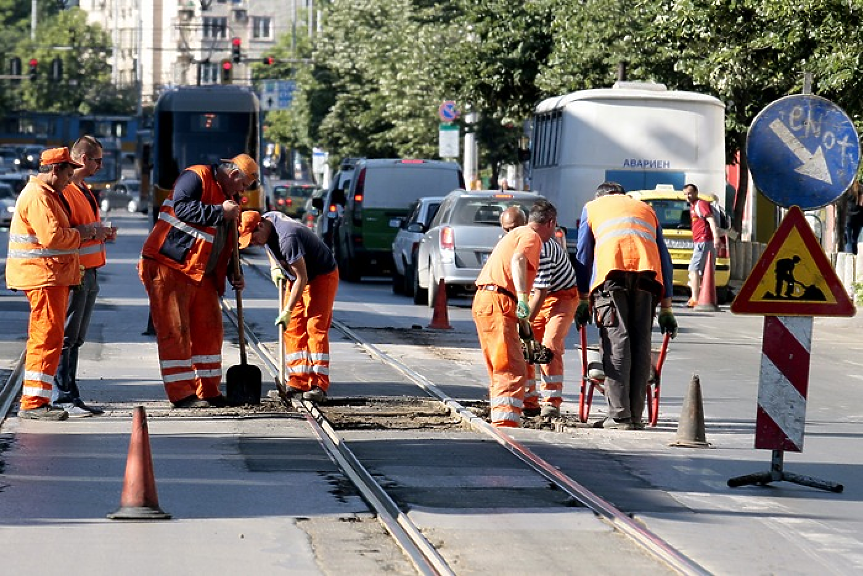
[{"x": 793, "y": 277}]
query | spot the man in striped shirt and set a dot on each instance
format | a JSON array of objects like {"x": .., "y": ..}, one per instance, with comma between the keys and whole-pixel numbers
[{"x": 552, "y": 309}]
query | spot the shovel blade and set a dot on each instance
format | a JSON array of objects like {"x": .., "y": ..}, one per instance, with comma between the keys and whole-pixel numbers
[{"x": 244, "y": 384}]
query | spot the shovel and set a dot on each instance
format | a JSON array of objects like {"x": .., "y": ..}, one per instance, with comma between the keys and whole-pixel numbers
[{"x": 243, "y": 381}]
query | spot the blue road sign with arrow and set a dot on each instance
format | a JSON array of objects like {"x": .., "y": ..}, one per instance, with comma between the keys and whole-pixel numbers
[{"x": 803, "y": 151}]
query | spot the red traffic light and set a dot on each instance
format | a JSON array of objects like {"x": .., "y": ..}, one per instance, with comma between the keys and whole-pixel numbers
[
  {"x": 269, "y": 60},
  {"x": 33, "y": 62},
  {"x": 236, "y": 42},
  {"x": 227, "y": 65}
]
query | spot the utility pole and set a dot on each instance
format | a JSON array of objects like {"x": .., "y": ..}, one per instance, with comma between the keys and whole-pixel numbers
[{"x": 34, "y": 7}]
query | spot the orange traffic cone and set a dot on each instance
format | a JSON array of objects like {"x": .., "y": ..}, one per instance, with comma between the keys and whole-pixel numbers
[
  {"x": 439, "y": 320},
  {"x": 707, "y": 294},
  {"x": 139, "y": 500}
]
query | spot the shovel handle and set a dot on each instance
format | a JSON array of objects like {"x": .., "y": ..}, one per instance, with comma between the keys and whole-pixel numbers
[{"x": 240, "y": 325}]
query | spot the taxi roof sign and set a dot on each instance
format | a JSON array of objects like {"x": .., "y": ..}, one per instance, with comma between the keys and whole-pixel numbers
[{"x": 793, "y": 277}]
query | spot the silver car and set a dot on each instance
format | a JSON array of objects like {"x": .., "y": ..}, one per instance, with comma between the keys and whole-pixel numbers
[
  {"x": 461, "y": 237},
  {"x": 407, "y": 241}
]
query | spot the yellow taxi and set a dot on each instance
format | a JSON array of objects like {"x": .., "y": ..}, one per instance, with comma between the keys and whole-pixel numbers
[{"x": 672, "y": 209}]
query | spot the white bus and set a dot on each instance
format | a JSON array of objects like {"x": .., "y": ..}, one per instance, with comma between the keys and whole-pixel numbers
[{"x": 637, "y": 134}]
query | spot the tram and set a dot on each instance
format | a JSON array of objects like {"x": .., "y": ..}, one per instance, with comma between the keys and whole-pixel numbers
[{"x": 201, "y": 125}]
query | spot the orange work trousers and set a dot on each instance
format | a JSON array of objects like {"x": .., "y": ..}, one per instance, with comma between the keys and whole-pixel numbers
[
  {"x": 307, "y": 336},
  {"x": 44, "y": 343},
  {"x": 497, "y": 328},
  {"x": 550, "y": 327},
  {"x": 189, "y": 332}
]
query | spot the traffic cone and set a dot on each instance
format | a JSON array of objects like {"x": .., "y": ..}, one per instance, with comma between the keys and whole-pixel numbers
[
  {"x": 707, "y": 294},
  {"x": 439, "y": 320},
  {"x": 690, "y": 427},
  {"x": 139, "y": 500}
]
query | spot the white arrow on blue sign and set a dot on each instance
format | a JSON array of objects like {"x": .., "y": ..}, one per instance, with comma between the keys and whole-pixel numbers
[{"x": 802, "y": 151}]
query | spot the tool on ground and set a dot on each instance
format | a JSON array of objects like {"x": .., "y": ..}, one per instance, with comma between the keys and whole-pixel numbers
[
  {"x": 280, "y": 382},
  {"x": 243, "y": 380},
  {"x": 534, "y": 352},
  {"x": 593, "y": 377}
]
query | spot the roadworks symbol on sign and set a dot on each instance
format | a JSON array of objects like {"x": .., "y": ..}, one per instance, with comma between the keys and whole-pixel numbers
[{"x": 793, "y": 277}]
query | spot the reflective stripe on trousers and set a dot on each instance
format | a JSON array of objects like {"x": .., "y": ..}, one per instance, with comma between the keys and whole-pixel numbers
[
  {"x": 497, "y": 328},
  {"x": 551, "y": 326},
  {"x": 189, "y": 331},
  {"x": 307, "y": 336},
  {"x": 44, "y": 343}
]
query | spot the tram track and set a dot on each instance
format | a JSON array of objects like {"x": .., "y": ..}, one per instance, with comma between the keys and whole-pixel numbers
[{"x": 423, "y": 554}]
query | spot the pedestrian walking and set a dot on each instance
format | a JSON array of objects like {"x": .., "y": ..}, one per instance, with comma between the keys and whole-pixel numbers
[
  {"x": 705, "y": 238},
  {"x": 184, "y": 264},
  {"x": 625, "y": 270},
  {"x": 83, "y": 209},
  {"x": 307, "y": 311},
  {"x": 503, "y": 288},
  {"x": 43, "y": 262}
]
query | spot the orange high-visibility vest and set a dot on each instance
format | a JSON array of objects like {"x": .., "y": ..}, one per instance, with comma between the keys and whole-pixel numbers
[
  {"x": 194, "y": 241},
  {"x": 43, "y": 247},
  {"x": 85, "y": 210},
  {"x": 624, "y": 230}
]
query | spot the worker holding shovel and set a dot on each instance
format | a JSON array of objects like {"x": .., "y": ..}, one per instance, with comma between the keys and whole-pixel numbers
[{"x": 304, "y": 261}]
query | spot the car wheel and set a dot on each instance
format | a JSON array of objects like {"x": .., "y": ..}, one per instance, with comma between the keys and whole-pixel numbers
[
  {"x": 398, "y": 282},
  {"x": 106, "y": 206},
  {"x": 409, "y": 280},
  {"x": 434, "y": 288},
  {"x": 419, "y": 292}
]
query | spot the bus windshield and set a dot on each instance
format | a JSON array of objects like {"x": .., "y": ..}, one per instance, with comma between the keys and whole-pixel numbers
[{"x": 192, "y": 137}]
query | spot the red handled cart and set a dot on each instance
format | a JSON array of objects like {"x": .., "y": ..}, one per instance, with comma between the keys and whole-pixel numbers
[{"x": 593, "y": 377}]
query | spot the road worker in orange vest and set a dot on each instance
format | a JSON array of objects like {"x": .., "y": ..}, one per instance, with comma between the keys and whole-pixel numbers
[
  {"x": 183, "y": 266},
  {"x": 502, "y": 298},
  {"x": 626, "y": 269},
  {"x": 84, "y": 209},
  {"x": 43, "y": 262},
  {"x": 307, "y": 310}
]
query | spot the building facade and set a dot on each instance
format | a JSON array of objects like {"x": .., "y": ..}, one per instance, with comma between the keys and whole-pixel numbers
[{"x": 164, "y": 43}]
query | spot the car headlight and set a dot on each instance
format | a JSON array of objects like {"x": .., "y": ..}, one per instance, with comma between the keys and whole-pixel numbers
[{"x": 10, "y": 209}]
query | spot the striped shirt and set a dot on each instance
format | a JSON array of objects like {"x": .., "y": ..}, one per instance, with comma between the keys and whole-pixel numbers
[{"x": 555, "y": 270}]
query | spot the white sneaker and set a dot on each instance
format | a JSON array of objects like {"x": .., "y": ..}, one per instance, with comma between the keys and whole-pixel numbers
[{"x": 75, "y": 411}]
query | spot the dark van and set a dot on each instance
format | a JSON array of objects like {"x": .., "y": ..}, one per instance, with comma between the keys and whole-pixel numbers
[{"x": 381, "y": 190}]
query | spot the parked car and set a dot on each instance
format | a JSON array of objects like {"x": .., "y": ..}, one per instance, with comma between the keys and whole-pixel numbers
[
  {"x": 331, "y": 206},
  {"x": 407, "y": 241},
  {"x": 7, "y": 205},
  {"x": 380, "y": 190},
  {"x": 313, "y": 214},
  {"x": 125, "y": 195},
  {"x": 672, "y": 209},
  {"x": 17, "y": 180},
  {"x": 289, "y": 197},
  {"x": 460, "y": 239}
]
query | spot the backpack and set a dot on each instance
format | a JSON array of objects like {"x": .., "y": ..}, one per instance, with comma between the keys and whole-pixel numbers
[{"x": 723, "y": 221}]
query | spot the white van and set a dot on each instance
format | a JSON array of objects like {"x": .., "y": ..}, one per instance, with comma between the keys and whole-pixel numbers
[
  {"x": 381, "y": 190},
  {"x": 637, "y": 134}
]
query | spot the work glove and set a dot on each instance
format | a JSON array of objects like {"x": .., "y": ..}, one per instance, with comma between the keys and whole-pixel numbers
[
  {"x": 522, "y": 310},
  {"x": 582, "y": 314},
  {"x": 667, "y": 322},
  {"x": 277, "y": 275},
  {"x": 283, "y": 318}
]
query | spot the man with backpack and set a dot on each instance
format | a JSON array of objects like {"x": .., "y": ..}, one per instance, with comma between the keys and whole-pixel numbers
[{"x": 705, "y": 238}]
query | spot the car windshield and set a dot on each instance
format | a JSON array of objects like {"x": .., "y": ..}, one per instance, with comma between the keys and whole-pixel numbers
[
  {"x": 485, "y": 211},
  {"x": 671, "y": 213}
]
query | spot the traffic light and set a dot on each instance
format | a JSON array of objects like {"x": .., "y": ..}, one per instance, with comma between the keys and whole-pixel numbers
[
  {"x": 15, "y": 69},
  {"x": 56, "y": 69},
  {"x": 227, "y": 72},
  {"x": 269, "y": 60},
  {"x": 236, "y": 44},
  {"x": 34, "y": 71}
]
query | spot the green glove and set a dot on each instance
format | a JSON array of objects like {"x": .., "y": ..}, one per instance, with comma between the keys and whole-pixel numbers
[
  {"x": 667, "y": 322},
  {"x": 277, "y": 275},
  {"x": 582, "y": 314},
  {"x": 523, "y": 308},
  {"x": 283, "y": 318}
]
